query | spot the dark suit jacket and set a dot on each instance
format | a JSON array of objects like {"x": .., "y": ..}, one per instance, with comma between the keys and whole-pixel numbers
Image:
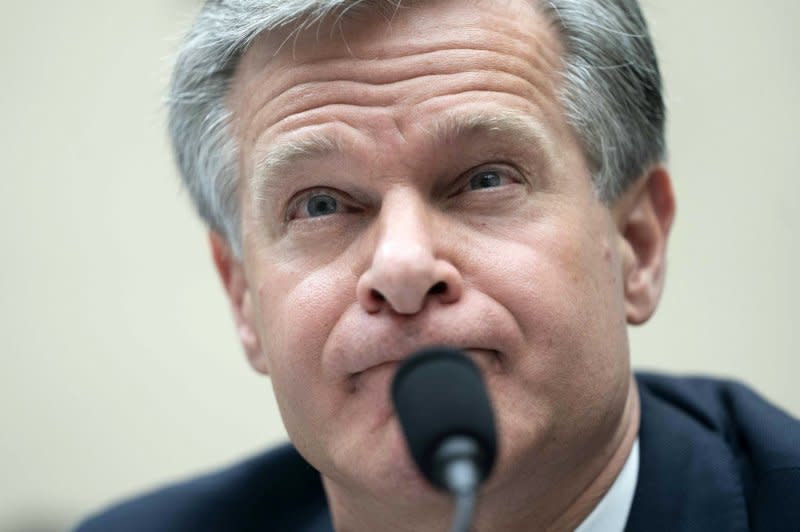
[{"x": 714, "y": 457}]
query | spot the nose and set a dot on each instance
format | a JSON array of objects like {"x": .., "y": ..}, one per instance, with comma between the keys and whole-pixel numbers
[{"x": 405, "y": 272}]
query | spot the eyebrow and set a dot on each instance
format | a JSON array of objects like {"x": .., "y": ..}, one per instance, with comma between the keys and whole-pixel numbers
[
  {"x": 522, "y": 129},
  {"x": 287, "y": 153}
]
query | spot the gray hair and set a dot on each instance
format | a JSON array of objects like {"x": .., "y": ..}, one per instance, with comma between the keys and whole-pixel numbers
[{"x": 611, "y": 91}]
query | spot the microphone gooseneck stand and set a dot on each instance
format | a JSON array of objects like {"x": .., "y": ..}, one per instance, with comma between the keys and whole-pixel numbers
[
  {"x": 457, "y": 456},
  {"x": 446, "y": 416}
]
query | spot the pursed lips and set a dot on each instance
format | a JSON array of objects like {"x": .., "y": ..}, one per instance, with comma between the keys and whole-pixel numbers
[
  {"x": 359, "y": 343},
  {"x": 488, "y": 360}
]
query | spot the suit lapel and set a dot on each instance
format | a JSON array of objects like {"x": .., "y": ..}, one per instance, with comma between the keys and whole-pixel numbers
[{"x": 688, "y": 477}]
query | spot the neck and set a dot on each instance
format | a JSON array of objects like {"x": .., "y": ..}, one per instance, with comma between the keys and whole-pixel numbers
[
  {"x": 588, "y": 498},
  {"x": 562, "y": 505}
]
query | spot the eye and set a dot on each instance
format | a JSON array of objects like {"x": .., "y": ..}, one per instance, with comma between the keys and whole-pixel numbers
[
  {"x": 487, "y": 179},
  {"x": 320, "y": 205},
  {"x": 491, "y": 177},
  {"x": 313, "y": 204}
]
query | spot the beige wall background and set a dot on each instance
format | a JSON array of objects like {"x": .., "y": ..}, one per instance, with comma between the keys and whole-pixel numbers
[{"x": 120, "y": 369}]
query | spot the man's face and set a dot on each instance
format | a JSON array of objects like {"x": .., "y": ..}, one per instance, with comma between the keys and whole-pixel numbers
[{"x": 414, "y": 182}]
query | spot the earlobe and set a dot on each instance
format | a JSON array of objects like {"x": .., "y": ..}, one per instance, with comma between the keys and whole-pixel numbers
[
  {"x": 232, "y": 275},
  {"x": 644, "y": 216}
]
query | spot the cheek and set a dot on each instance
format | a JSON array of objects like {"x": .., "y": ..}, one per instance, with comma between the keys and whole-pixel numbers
[
  {"x": 559, "y": 284},
  {"x": 559, "y": 281},
  {"x": 298, "y": 311}
]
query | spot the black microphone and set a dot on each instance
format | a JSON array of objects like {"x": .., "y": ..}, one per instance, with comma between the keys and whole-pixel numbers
[{"x": 446, "y": 416}]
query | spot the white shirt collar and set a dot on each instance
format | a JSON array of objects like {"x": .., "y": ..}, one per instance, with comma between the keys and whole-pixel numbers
[{"x": 611, "y": 513}]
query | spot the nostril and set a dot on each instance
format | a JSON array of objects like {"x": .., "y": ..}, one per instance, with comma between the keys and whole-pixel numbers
[
  {"x": 377, "y": 295},
  {"x": 438, "y": 288}
]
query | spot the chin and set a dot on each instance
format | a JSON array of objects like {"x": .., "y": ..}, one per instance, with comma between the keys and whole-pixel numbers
[{"x": 380, "y": 465}]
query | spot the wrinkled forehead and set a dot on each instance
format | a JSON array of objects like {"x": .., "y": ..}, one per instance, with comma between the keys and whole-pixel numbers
[
  {"x": 385, "y": 28},
  {"x": 416, "y": 71}
]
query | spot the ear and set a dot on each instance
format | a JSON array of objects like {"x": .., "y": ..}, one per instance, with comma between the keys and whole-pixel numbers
[
  {"x": 644, "y": 216},
  {"x": 232, "y": 275}
]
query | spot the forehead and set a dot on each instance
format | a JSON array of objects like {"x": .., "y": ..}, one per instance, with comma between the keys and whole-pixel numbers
[
  {"x": 374, "y": 29},
  {"x": 396, "y": 69}
]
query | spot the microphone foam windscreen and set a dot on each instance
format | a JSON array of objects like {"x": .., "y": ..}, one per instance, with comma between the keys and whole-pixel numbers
[{"x": 439, "y": 392}]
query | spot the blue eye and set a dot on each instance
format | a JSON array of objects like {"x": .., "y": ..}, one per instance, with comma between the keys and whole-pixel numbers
[
  {"x": 485, "y": 180},
  {"x": 320, "y": 205}
]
